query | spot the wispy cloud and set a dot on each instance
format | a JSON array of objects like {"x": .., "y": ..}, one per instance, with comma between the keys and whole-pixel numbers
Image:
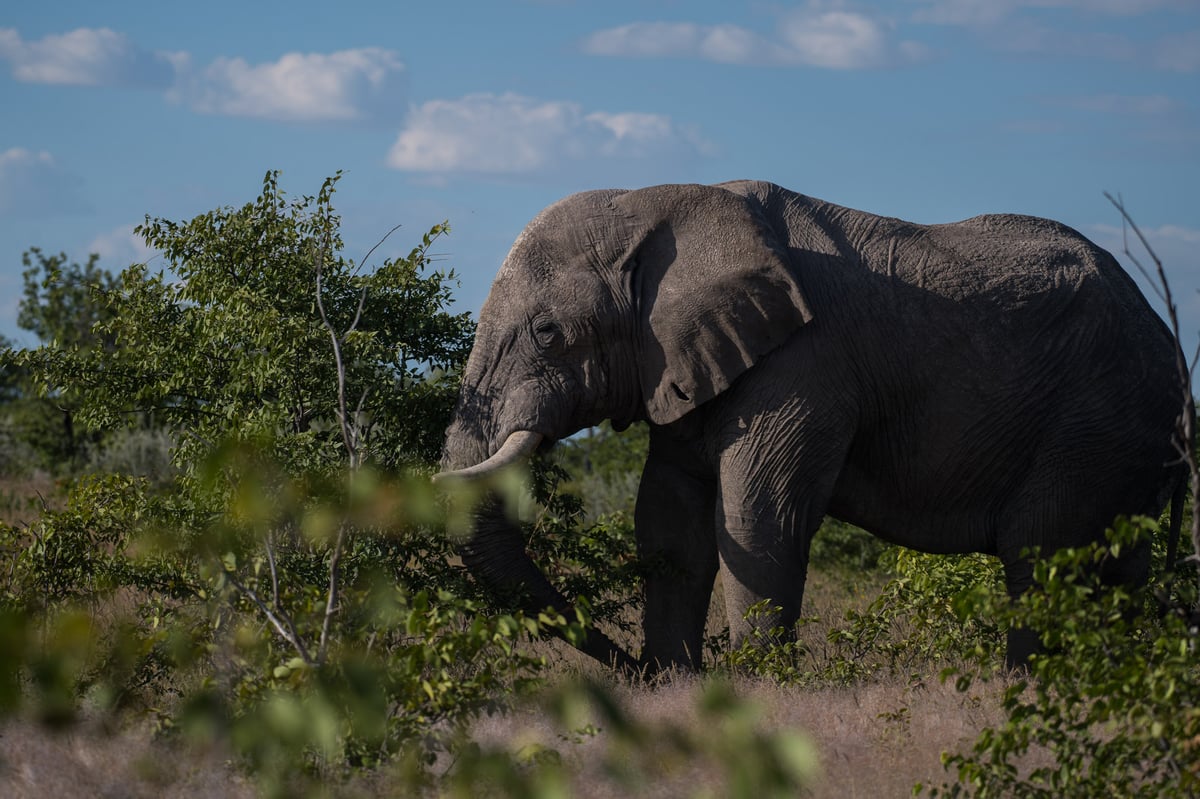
[
  {"x": 1016, "y": 26},
  {"x": 813, "y": 37},
  {"x": 121, "y": 246},
  {"x": 986, "y": 12},
  {"x": 1163, "y": 235},
  {"x": 511, "y": 134},
  {"x": 33, "y": 185},
  {"x": 344, "y": 85},
  {"x": 87, "y": 57},
  {"x": 1178, "y": 52},
  {"x": 1122, "y": 104}
]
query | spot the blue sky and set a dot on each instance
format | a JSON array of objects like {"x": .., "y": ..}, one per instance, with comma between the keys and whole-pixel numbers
[{"x": 482, "y": 113}]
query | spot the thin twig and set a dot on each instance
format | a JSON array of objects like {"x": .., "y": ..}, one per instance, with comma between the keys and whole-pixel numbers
[
  {"x": 274, "y": 570},
  {"x": 378, "y": 244}
]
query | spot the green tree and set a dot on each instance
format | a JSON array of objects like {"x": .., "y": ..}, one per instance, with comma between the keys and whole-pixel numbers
[
  {"x": 10, "y": 383},
  {"x": 303, "y": 388},
  {"x": 64, "y": 304}
]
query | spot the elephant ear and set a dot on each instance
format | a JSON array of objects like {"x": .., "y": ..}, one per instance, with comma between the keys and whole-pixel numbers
[{"x": 714, "y": 293}]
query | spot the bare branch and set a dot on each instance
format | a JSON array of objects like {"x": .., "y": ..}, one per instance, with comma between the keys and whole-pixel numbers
[
  {"x": 347, "y": 437},
  {"x": 1185, "y": 442},
  {"x": 333, "y": 598},
  {"x": 281, "y": 622},
  {"x": 378, "y": 244},
  {"x": 350, "y": 439}
]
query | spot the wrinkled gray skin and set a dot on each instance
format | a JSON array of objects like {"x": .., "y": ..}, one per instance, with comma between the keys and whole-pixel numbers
[{"x": 981, "y": 386}]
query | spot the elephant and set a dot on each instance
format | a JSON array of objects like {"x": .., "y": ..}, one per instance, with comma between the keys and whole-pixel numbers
[{"x": 990, "y": 385}]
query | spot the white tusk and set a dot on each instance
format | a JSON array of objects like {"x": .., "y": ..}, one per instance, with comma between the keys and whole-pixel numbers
[{"x": 517, "y": 446}]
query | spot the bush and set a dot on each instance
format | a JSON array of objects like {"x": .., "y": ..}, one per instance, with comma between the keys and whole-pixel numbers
[
  {"x": 1114, "y": 697},
  {"x": 916, "y": 624}
]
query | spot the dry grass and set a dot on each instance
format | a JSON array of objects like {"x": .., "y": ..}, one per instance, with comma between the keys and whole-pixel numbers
[
  {"x": 36, "y": 763},
  {"x": 22, "y": 499},
  {"x": 873, "y": 740}
]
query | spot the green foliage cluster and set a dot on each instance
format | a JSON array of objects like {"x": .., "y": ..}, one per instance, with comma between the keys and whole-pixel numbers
[
  {"x": 1107, "y": 709},
  {"x": 63, "y": 304},
  {"x": 604, "y": 468},
  {"x": 1115, "y": 698},
  {"x": 919, "y": 618}
]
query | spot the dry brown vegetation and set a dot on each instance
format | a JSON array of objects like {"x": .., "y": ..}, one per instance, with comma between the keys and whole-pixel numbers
[
  {"x": 23, "y": 498},
  {"x": 873, "y": 740}
]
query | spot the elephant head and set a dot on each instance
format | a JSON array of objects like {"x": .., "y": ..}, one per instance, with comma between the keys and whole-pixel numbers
[{"x": 618, "y": 305}]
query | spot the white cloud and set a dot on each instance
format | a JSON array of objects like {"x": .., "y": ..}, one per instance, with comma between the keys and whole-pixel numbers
[
  {"x": 512, "y": 134},
  {"x": 86, "y": 57},
  {"x": 33, "y": 185},
  {"x": 831, "y": 39},
  {"x": 843, "y": 40},
  {"x": 345, "y": 85},
  {"x": 728, "y": 44}
]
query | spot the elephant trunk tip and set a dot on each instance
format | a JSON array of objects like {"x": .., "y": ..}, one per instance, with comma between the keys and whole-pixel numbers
[{"x": 518, "y": 446}]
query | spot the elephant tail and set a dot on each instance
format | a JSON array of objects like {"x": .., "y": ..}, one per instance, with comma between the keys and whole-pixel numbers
[{"x": 1187, "y": 449}]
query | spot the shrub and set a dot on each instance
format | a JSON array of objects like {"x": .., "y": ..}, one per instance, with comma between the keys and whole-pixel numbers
[{"x": 1113, "y": 697}]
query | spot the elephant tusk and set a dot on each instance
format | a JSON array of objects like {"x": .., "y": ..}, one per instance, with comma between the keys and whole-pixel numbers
[{"x": 519, "y": 445}]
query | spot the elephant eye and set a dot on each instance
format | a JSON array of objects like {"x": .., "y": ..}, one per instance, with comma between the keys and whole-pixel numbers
[{"x": 546, "y": 332}]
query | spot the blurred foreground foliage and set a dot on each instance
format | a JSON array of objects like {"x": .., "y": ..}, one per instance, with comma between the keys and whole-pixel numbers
[{"x": 287, "y": 591}]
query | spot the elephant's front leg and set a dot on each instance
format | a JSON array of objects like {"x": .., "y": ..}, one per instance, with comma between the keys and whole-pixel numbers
[
  {"x": 677, "y": 543},
  {"x": 771, "y": 500}
]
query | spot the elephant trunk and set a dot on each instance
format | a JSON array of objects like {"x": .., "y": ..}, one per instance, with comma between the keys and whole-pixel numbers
[{"x": 495, "y": 555}]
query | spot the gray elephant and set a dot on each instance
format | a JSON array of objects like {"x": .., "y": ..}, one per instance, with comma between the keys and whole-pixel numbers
[{"x": 982, "y": 386}]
